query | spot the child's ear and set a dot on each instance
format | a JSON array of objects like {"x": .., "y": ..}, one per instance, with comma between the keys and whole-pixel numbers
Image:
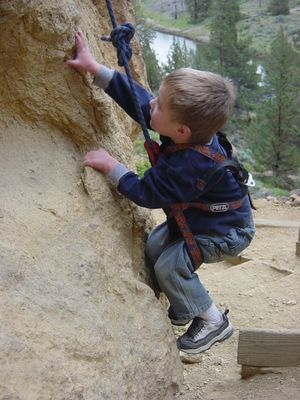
[{"x": 184, "y": 132}]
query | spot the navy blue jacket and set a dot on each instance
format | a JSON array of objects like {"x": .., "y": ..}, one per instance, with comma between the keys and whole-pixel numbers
[{"x": 174, "y": 178}]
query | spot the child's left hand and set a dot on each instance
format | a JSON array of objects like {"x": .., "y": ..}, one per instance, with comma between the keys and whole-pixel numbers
[{"x": 101, "y": 160}]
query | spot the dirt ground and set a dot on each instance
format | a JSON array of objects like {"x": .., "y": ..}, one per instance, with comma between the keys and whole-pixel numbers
[{"x": 260, "y": 293}]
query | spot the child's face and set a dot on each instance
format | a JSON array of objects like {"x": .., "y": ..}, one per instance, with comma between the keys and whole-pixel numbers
[{"x": 161, "y": 120}]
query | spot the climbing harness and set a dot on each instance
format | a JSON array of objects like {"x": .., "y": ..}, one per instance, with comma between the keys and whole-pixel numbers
[
  {"x": 222, "y": 162},
  {"x": 120, "y": 38}
]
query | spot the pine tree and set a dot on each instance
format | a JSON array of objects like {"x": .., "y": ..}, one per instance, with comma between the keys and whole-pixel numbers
[
  {"x": 197, "y": 9},
  {"x": 272, "y": 134},
  {"x": 177, "y": 56},
  {"x": 296, "y": 40},
  {"x": 154, "y": 71},
  {"x": 197, "y": 58},
  {"x": 229, "y": 55}
]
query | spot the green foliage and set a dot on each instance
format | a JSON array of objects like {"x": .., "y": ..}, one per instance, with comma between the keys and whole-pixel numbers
[
  {"x": 139, "y": 145},
  {"x": 165, "y": 13},
  {"x": 229, "y": 55},
  {"x": 265, "y": 187},
  {"x": 258, "y": 167},
  {"x": 272, "y": 134},
  {"x": 228, "y": 8},
  {"x": 279, "y": 7},
  {"x": 253, "y": 13},
  {"x": 142, "y": 162},
  {"x": 291, "y": 30},
  {"x": 296, "y": 40},
  {"x": 260, "y": 108},
  {"x": 246, "y": 157},
  {"x": 266, "y": 182},
  {"x": 178, "y": 56},
  {"x": 154, "y": 71},
  {"x": 280, "y": 192},
  {"x": 139, "y": 149},
  {"x": 142, "y": 166},
  {"x": 197, "y": 9}
]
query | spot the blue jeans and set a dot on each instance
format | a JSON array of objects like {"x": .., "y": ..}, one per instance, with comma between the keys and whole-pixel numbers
[{"x": 173, "y": 272}]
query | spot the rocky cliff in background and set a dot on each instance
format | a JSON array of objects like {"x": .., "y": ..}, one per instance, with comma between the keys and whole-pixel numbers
[{"x": 78, "y": 319}]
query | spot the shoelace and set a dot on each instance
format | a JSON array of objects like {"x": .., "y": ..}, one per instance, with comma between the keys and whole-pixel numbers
[{"x": 195, "y": 327}]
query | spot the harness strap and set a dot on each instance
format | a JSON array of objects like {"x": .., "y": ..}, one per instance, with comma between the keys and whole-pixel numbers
[
  {"x": 205, "y": 150},
  {"x": 193, "y": 248},
  {"x": 176, "y": 210},
  {"x": 241, "y": 173},
  {"x": 153, "y": 153},
  {"x": 213, "y": 207}
]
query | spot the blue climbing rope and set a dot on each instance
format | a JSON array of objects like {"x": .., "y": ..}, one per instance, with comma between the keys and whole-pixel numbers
[{"x": 120, "y": 37}]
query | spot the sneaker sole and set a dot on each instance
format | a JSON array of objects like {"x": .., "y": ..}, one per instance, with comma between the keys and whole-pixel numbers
[{"x": 220, "y": 338}]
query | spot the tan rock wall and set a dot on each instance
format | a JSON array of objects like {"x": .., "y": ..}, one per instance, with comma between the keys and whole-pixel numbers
[{"x": 78, "y": 317}]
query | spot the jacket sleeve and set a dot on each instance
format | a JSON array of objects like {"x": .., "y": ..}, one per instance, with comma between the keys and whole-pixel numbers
[{"x": 116, "y": 85}]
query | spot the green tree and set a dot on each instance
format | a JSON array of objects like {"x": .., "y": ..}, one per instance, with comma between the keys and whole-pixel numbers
[
  {"x": 296, "y": 40},
  {"x": 272, "y": 133},
  {"x": 279, "y": 7},
  {"x": 154, "y": 70},
  {"x": 228, "y": 54},
  {"x": 178, "y": 57},
  {"x": 197, "y": 9},
  {"x": 227, "y": 7},
  {"x": 198, "y": 59}
]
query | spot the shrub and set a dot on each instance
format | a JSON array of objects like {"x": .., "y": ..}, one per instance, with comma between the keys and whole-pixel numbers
[
  {"x": 246, "y": 156},
  {"x": 291, "y": 30},
  {"x": 142, "y": 166}
]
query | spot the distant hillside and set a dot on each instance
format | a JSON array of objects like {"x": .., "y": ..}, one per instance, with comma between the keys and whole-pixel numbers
[{"x": 171, "y": 16}]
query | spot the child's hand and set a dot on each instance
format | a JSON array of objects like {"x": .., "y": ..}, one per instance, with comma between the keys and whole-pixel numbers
[
  {"x": 84, "y": 59},
  {"x": 100, "y": 160}
]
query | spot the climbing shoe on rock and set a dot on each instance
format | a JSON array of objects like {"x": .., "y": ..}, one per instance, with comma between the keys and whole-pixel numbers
[{"x": 201, "y": 334}]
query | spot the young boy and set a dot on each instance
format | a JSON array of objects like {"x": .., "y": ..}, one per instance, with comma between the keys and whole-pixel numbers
[{"x": 191, "y": 107}]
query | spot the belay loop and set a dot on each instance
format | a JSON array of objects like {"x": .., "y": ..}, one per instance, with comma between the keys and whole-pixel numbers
[{"x": 120, "y": 38}]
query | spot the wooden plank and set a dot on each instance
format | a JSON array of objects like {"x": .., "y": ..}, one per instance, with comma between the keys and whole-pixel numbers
[
  {"x": 297, "y": 248},
  {"x": 240, "y": 259},
  {"x": 269, "y": 348},
  {"x": 260, "y": 223},
  {"x": 247, "y": 371}
]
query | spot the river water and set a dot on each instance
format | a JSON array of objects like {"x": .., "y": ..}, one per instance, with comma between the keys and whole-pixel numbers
[{"x": 163, "y": 41}]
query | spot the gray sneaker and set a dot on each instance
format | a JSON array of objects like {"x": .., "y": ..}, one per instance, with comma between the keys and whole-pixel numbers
[{"x": 201, "y": 335}]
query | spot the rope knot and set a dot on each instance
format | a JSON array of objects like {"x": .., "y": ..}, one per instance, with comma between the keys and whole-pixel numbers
[{"x": 120, "y": 37}]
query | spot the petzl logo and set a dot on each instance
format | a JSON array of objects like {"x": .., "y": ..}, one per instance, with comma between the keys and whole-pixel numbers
[{"x": 219, "y": 207}]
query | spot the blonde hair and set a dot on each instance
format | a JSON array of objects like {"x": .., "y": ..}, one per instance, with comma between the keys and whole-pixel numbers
[{"x": 199, "y": 99}]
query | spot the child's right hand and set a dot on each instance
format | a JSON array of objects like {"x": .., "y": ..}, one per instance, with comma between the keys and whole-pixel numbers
[
  {"x": 101, "y": 160},
  {"x": 84, "y": 59}
]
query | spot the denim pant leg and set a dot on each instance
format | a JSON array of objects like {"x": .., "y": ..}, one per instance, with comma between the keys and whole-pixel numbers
[
  {"x": 157, "y": 241},
  {"x": 175, "y": 274},
  {"x": 216, "y": 248}
]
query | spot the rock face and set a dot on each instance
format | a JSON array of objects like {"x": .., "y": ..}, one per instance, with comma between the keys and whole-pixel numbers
[{"x": 78, "y": 319}]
